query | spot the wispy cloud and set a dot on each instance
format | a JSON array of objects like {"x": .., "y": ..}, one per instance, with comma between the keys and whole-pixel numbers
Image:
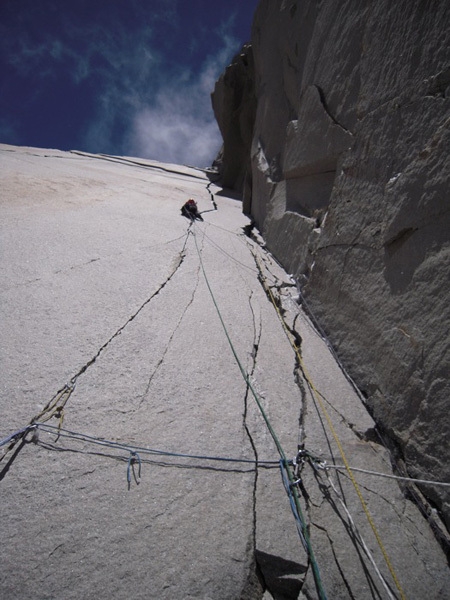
[
  {"x": 178, "y": 137},
  {"x": 144, "y": 99},
  {"x": 178, "y": 125}
]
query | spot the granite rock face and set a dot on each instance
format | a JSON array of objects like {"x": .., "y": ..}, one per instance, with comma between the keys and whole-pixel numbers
[
  {"x": 349, "y": 187},
  {"x": 129, "y": 483}
]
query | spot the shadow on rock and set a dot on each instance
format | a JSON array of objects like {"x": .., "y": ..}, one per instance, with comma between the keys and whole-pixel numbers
[{"x": 279, "y": 575}]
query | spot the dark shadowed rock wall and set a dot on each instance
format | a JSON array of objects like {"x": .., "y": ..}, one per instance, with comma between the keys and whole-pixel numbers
[
  {"x": 337, "y": 133},
  {"x": 234, "y": 105}
]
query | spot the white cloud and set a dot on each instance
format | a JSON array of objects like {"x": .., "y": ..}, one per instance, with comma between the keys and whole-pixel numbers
[
  {"x": 165, "y": 134},
  {"x": 145, "y": 104},
  {"x": 179, "y": 125},
  {"x": 154, "y": 114}
]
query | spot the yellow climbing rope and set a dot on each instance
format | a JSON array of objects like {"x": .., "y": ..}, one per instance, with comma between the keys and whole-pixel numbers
[{"x": 333, "y": 431}]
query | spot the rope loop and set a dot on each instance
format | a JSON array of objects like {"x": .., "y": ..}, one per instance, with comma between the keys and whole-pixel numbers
[{"x": 134, "y": 457}]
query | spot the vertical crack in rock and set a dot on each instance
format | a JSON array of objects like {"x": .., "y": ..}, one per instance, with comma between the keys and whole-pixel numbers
[
  {"x": 257, "y": 333},
  {"x": 274, "y": 295},
  {"x": 211, "y": 195},
  {"x": 295, "y": 336},
  {"x": 296, "y": 340},
  {"x": 303, "y": 403}
]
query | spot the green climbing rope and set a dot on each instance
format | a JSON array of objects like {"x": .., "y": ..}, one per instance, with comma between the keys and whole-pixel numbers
[{"x": 285, "y": 462}]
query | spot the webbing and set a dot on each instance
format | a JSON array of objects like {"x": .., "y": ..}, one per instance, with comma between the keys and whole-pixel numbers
[{"x": 333, "y": 431}]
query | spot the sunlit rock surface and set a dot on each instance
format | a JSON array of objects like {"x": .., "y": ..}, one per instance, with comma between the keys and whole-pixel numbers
[
  {"x": 349, "y": 185},
  {"x": 109, "y": 331}
]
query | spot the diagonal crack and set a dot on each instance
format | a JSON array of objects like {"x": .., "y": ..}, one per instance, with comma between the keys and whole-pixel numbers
[
  {"x": 327, "y": 110},
  {"x": 135, "y": 163},
  {"x": 166, "y": 349},
  {"x": 72, "y": 382},
  {"x": 56, "y": 405},
  {"x": 178, "y": 263},
  {"x": 336, "y": 560}
]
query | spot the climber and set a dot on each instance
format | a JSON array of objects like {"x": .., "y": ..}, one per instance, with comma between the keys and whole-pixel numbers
[{"x": 190, "y": 210}]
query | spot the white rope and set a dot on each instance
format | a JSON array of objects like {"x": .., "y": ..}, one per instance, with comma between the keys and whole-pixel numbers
[
  {"x": 326, "y": 466},
  {"x": 361, "y": 541}
]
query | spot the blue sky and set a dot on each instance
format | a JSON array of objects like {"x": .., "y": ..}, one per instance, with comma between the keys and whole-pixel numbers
[{"x": 127, "y": 77}]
